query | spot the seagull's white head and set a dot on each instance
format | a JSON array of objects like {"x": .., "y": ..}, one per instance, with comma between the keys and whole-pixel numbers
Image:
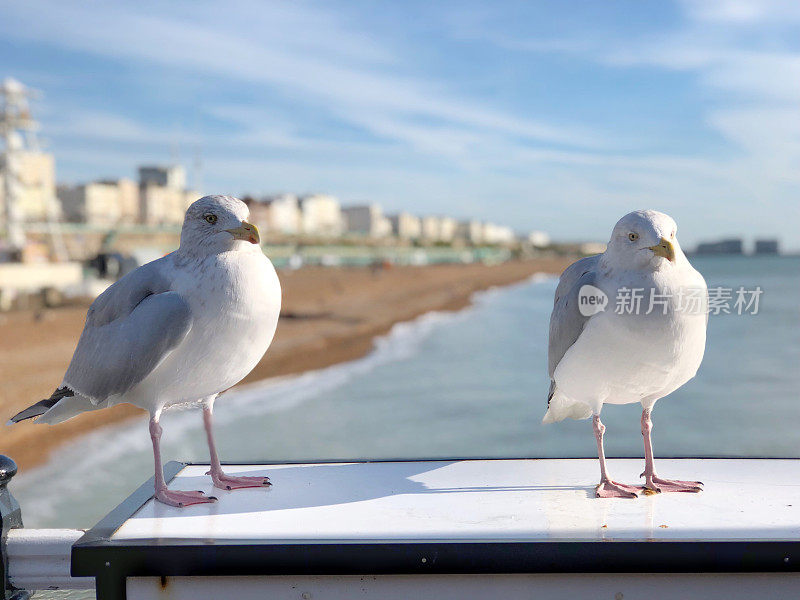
[
  {"x": 217, "y": 224},
  {"x": 645, "y": 239}
]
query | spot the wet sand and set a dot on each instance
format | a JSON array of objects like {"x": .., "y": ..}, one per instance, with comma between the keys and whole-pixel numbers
[{"x": 329, "y": 315}]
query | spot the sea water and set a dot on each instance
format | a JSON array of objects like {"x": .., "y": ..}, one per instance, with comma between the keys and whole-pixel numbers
[{"x": 466, "y": 384}]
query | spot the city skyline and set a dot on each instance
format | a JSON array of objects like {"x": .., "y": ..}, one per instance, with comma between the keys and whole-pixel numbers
[{"x": 545, "y": 117}]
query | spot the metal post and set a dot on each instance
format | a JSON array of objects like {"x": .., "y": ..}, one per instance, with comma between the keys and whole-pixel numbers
[{"x": 10, "y": 518}]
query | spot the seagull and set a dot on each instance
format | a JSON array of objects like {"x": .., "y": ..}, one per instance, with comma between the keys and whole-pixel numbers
[
  {"x": 179, "y": 330},
  {"x": 644, "y": 346}
]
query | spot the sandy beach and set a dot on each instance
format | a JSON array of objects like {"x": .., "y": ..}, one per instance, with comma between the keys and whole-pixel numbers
[{"x": 329, "y": 315}]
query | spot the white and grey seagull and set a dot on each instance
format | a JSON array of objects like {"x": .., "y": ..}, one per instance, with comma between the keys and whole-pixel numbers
[
  {"x": 179, "y": 330},
  {"x": 628, "y": 325}
]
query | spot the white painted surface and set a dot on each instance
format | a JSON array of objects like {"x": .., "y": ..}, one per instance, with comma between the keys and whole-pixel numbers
[
  {"x": 39, "y": 559},
  {"x": 462, "y": 587},
  {"x": 483, "y": 499}
]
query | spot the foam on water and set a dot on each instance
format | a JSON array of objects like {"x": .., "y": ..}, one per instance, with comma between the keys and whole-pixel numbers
[{"x": 472, "y": 383}]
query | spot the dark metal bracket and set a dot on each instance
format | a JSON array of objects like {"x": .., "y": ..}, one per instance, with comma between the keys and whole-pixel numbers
[{"x": 10, "y": 518}]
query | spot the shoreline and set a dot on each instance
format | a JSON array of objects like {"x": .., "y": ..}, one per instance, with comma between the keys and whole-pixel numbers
[{"x": 329, "y": 316}]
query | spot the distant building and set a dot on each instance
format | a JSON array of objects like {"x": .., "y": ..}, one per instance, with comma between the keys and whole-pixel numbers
[
  {"x": 276, "y": 214},
  {"x": 117, "y": 201},
  {"x": 730, "y": 246},
  {"x": 321, "y": 215},
  {"x": 36, "y": 186},
  {"x": 284, "y": 214},
  {"x": 164, "y": 205},
  {"x": 448, "y": 227},
  {"x": 366, "y": 220},
  {"x": 130, "y": 206},
  {"x": 101, "y": 202},
  {"x": 163, "y": 197},
  {"x": 431, "y": 228},
  {"x": 172, "y": 176},
  {"x": 406, "y": 226},
  {"x": 766, "y": 247},
  {"x": 489, "y": 233},
  {"x": 470, "y": 231},
  {"x": 259, "y": 212},
  {"x": 498, "y": 234},
  {"x": 539, "y": 239},
  {"x": 439, "y": 229},
  {"x": 384, "y": 228}
]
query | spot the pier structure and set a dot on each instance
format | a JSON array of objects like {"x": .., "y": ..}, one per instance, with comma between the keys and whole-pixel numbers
[
  {"x": 29, "y": 198},
  {"x": 432, "y": 528},
  {"x": 15, "y": 122}
]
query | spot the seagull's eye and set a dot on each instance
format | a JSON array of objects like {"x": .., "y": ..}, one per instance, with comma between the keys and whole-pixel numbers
[
  {"x": 210, "y": 219},
  {"x": 672, "y": 235},
  {"x": 633, "y": 236}
]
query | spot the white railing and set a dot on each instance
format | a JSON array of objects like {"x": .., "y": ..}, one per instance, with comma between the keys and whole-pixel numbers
[{"x": 39, "y": 559}]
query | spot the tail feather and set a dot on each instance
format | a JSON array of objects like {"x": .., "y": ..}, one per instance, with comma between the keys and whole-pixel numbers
[
  {"x": 42, "y": 406},
  {"x": 69, "y": 407},
  {"x": 560, "y": 407}
]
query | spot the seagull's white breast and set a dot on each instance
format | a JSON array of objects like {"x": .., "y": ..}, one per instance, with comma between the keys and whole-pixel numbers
[
  {"x": 235, "y": 301},
  {"x": 624, "y": 358}
]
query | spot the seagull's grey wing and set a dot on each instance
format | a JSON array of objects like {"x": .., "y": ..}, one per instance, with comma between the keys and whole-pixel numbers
[
  {"x": 124, "y": 295},
  {"x": 566, "y": 320},
  {"x": 129, "y": 330}
]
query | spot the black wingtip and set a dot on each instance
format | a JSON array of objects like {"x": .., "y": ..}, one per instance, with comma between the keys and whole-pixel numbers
[
  {"x": 551, "y": 392},
  {"x": 28, "y": 413},
  {"x": 42, "y": 406}
]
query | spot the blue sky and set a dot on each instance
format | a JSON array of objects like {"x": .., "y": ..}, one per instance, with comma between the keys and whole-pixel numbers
[{"x": 560, "y": 116}]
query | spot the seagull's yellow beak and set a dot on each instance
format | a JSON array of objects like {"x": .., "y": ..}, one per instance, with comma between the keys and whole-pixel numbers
[
  {"x": 664, "y": 248},
  {"x": 247, "y": 232}
]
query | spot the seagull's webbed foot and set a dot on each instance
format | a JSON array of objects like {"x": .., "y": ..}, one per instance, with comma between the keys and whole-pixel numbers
[
  {"x": 612, "y": 489},
  {"x": 660, "y": 485},
  {"x": 181, "y": 498},
  {"x": 230, "y": 482},
  {"x": 220, "y": 479}
]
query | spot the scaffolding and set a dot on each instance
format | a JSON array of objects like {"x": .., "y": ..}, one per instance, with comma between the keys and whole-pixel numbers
[{"x": 18, "y": 131}]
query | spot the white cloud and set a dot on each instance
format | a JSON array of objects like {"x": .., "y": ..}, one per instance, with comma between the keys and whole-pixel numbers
[
  {"x": 754, "y": 94},
  {"x": 745, "y": 56},
  {"x": 98, "y": 125},
  {"x": 742, "y": 11},
  {"x": 282, "y": 46},
  {"x": 421, "y": 140}
]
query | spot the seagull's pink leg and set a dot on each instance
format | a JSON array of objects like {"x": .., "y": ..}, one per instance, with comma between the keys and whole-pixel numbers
[
  {"x": 162, "y": 494},
  {"x": 608, "y": 488},
  {"x": 220, "y": 479},
  {"x": 652, "y": 481}
]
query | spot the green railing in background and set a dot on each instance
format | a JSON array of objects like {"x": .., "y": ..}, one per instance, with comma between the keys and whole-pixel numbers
[
  {"x": 286, "y": 255},
  {"x": 291, "y": 256}
]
